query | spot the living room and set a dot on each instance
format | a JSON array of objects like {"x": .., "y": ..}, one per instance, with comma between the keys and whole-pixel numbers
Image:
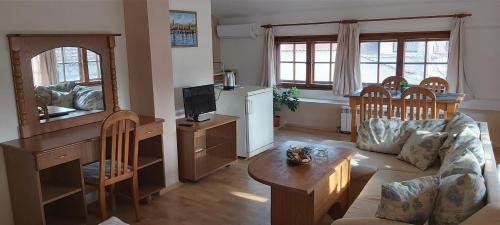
[{"x": 255, "y": 112}]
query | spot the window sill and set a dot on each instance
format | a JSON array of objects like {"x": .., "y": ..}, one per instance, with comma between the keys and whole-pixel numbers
[{"x": 341, "y": 102}]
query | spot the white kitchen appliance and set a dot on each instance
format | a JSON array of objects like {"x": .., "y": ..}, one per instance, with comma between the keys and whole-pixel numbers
[{"x": 254, "y": 107}]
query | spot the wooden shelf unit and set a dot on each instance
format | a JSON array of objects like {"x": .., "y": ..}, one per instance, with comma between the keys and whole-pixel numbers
[{"x": 206, "y": 146}]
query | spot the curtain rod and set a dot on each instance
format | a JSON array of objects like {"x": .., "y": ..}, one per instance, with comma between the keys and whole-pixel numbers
[{"x": 367, "y": 20}]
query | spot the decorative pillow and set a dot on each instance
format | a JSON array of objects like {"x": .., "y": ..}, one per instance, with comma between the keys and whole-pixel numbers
[
  {"x": 408, "y": 127},
  {"x": 459, "y": 197},
  {"x": 408, "y": 201},
  {"x": 88, "y": 99},
  {"x": 464, "y": 141},
  {"x": 422, "y": 148},
  {"x": 461, "y": 123},
  {"x": 460, "y": 162},
  {"x": 62, "y": 99},
  {"x": 44, "y": 95},
  {"x": 63, "y": 86},
  {"x": 380, "y": 135}
]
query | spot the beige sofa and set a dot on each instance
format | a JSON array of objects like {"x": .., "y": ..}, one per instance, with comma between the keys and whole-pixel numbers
[{"x": 375, "y": 169}]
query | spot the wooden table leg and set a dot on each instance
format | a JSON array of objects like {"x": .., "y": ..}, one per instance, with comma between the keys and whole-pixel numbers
[
  {"x": 353, "y": 105},
  {"x": 451, "y": 108}
]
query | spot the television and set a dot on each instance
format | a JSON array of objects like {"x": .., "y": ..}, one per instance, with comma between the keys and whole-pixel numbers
[{"x": 198, "y": 101}]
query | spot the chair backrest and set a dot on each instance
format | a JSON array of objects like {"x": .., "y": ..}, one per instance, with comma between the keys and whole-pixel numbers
[
  {"x": 417, "y": 102},
  {"x": 373, "y": 99},
  {"x": 436, "y": 84},
  {"x": 123, "y": 146},
  {"x": 393, "y": 83}
]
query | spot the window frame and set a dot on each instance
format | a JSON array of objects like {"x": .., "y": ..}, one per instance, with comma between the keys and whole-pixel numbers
[
  {"x": 399, "y": 37},
  {"x": 310, "y": 44},
  {"x": 83, "y": 66}
]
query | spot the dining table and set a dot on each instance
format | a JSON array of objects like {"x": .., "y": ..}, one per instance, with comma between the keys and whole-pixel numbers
[{"x": 447, "y": 102}]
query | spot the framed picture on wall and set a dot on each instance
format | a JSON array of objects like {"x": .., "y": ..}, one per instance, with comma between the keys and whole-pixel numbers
[{"x": 183, "y": 28}]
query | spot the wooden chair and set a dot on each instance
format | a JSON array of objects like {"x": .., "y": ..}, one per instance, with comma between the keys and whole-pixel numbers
[
  {"x": 420, "y": 101},
  {"x": 436, "y": 84},
  {"x": 119, "y": 163},
  {"x": 373, "y": 99},
  {"x": 393, "y": 83}
]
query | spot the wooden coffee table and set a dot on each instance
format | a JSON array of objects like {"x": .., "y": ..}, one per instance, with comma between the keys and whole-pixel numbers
[{"x": 303, "y": 194}]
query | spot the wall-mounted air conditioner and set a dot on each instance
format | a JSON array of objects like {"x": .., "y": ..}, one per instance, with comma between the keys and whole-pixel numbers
[{"x": 237, "y": 31}]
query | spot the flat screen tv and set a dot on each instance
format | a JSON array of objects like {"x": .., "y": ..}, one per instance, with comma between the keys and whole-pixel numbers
[{"x": 197, "y": 101}]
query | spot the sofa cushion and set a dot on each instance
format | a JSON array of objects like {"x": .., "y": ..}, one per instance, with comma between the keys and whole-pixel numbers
[
  {"x": 464, "y": 141},
  {"x": 422, "y": 148},
  {"x": 459, "y": 197},
  {"x": 63, "y": 86},
  {"x": 88, "y": 99},
  {"x": 409, "y": 201},
  {"x": 366, "y": 204},
  {"x": 44, "y": 95},
  {"x": 461, "y": 123},
  {"x": 62, "y": 99},
  {"x": 460, "y": 162},
  {"x": 380, "y": 135}
]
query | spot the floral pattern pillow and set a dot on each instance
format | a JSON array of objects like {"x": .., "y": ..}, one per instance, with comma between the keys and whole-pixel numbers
[
  {"x": 459, "y": 197},
  {"x": 464, "y": 141},
  {"x": 380, "y": 135},
  {"x": 88, "y": 99},
  {"x": 62, "y": 99},
  {"x": 409, "y": 201},
  {"x": 461, "y": 123},
  {"x": 422, "y": 148},
  {"x": 460, "y": 162}
]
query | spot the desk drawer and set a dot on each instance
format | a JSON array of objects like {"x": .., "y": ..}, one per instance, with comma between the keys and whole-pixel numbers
[
  {"x": 150, "y": 130},
  {"x": 58, "y": 156}
]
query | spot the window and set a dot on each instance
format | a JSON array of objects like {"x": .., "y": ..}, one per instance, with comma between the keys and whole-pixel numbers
[
  {"x": 72, "y": 65},
  {"x": 309, "y": 61},
  {"x": 430, "y": 59},
  {"x": 306, "y": 62},
  {"x": 378, "y": 60},
  {"x": 414, "y": 56}
]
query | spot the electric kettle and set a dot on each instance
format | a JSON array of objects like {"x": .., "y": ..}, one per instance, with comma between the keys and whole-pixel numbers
[{"x": 229, "y": 81}]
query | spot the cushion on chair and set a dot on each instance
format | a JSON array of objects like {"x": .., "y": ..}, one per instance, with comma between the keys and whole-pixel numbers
[
  {"x": 422, "y": 148},
  {"x": 409, "y": 201},
  {"x": 91, "y": 171}
]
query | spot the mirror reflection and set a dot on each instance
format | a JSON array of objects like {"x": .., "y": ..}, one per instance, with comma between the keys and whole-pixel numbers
[{"x": 67, "y": 83}]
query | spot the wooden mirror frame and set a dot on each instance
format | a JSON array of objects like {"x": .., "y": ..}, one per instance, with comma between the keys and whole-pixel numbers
[{"x": 23, "y": 47}]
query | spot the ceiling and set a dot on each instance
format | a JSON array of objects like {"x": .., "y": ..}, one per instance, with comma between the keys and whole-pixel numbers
[{"x": 242, "y": 8}]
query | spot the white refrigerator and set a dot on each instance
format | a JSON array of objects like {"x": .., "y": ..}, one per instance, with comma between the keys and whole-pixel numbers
[{"x": 254, "y": 106}]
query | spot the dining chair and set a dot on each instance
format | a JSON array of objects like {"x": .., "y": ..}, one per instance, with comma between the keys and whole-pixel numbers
[
  {"x": 436, "y": 84},
  {"x": 118, "y": 160},
  {"x": 393, "y": 83},
  {"x": 420, "y": 101},
  {"x": 373, "y": 100}
]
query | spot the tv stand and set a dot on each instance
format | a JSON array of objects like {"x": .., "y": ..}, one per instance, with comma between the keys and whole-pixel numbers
[{"x": 205, "y": 147}]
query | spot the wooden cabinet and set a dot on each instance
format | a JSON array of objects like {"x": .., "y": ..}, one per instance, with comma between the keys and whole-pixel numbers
[
  {"x": 45, "y": 171},
  {"x": 205, "y": 147}
]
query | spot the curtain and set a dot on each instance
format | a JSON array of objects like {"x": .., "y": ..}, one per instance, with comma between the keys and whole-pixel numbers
[
  {"x": 347, "y": 77},
  {"x": 269, "y": 64},
  {"x": 457, "y": 78},
  {"x": 44, "y": 69}
]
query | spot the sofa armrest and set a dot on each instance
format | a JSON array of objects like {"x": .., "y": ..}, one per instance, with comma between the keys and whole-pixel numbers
[
  {"x": 487, "y": 215},
  {"x": 366, "y": 221}
]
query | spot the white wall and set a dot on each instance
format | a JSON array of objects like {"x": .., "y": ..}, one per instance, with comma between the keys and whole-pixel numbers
[
  {"x": 48, "y": 16},
  {"x": 193, "y": 66},
  {"x": 482, "y": 33}
]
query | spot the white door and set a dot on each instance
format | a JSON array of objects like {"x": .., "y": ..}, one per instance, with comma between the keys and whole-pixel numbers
[{"x": 260, "y": 120}]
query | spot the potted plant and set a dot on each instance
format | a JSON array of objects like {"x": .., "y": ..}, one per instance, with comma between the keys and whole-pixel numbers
[
  {"x": 284, "y": 96},
  {"x": 404, "y": 85}
]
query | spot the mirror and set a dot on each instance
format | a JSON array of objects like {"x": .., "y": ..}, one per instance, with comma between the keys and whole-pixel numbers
[{"x": 67, "y": 83}]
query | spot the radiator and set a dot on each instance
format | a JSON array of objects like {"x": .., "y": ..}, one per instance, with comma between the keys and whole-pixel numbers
[{"x": 345, "y": 119}]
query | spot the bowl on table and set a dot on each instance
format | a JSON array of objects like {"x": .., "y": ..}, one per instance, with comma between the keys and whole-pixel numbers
[{"x": 299, "y": 155}]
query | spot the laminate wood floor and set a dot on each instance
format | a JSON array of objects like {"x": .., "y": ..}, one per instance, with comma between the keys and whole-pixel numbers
[{"x": 228, "y": 196}]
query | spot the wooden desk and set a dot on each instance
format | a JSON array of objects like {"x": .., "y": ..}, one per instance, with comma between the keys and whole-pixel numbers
[
  {"x": 302, "y": 194},
  {"x": 45, "y": 174},
  {"x": 448, "y": 102},
  {"x": 205, "y": 147}
]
